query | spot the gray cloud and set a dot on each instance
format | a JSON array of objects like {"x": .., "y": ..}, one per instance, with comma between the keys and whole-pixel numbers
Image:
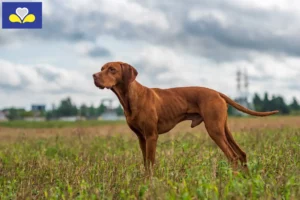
[
  {"x": 5, "y": 39},
  {"x": 99, "y": 52},
  {"x": 215, "y": 36},
  {"x": 147, "y": 68},
  {"x": 255, "y": 37},
  {"x": 245, "y": 29},
  {"x": 294, "y": 86},
  {"x": 42, "y": 79},
  {"x": 264, "y": 78},
  {"x": 11, "y": 88},
  {"x": 227, "y": 32},
  {"x": 2, "y": 40},
  {"x": 158, "y": 74}
]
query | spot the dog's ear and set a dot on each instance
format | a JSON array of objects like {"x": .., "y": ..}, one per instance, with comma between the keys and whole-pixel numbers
[{"x": 129, "y": 73}]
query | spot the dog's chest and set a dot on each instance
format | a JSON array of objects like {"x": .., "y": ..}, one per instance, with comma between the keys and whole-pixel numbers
[
  {"x": 142, "y": 124},
  {"x": 136, "y": 128},
  {"x": 134, "y": 123}
]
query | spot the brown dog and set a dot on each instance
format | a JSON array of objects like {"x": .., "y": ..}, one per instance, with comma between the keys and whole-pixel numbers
[{"x": 153, "y": 111}]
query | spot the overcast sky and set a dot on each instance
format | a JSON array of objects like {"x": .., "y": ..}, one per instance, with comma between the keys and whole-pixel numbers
[{"x": 191, "y": 42}]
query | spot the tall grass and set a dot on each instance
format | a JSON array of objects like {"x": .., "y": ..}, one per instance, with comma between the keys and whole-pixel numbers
[{"x": 64, "y": 165}]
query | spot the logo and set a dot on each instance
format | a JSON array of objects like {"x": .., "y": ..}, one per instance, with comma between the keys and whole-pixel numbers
[{"x": 21, "y": 15}]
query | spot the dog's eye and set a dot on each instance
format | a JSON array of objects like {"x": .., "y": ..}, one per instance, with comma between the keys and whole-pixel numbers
[{"x": 113, "y": 70}]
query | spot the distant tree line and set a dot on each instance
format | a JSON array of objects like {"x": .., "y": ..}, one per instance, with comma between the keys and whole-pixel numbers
[
  {"x": 274, "y": 103},
  {"x": 66, "y": 108},
  {"x": 17, "y": 113}
]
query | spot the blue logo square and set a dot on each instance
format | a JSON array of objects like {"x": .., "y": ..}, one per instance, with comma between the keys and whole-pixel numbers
[{"x": 21, "y": 15}]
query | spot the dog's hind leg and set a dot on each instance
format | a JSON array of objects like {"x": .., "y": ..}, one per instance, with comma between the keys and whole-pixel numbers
[
  {"x": 214, "y": 119},
  {"x": 236, "y": 148},
  {"x": 218, "y": 135}
]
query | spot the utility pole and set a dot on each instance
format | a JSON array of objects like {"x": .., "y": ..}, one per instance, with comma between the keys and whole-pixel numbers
[
  {"x": 246, "y": 84},
  {"x": 238, "y": 79}
]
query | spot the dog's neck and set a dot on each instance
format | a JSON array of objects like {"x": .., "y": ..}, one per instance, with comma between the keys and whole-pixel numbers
[{"x": 129, "y": 96}]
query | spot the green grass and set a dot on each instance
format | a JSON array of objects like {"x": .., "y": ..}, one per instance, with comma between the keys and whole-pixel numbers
[
  {"x": 190, "y": 166},
  {"x": 58, "y": 124}
]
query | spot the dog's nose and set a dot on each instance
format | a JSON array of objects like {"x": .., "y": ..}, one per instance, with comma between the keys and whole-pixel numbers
[{"x": 95, "y": 75}]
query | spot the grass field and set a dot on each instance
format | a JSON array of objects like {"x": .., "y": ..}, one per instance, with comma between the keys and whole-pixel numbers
[
  {"x": 103, "y": 161},
  {"x": 57, "y": 124}
]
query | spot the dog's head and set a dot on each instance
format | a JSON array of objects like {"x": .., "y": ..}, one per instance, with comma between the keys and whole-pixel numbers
[{"x": 114, "y": 74}]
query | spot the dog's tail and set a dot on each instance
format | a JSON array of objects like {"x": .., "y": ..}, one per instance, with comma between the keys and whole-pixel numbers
[{"x": 245, "y": 110}]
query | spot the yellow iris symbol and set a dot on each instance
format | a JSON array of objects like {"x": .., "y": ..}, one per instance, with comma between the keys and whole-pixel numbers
[{"x": 22, "y": 16}]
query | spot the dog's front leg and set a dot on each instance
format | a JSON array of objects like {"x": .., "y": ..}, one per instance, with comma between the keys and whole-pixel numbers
[
  {"x": 151, "y": 142},
  {"x": 142, "y": 142}
]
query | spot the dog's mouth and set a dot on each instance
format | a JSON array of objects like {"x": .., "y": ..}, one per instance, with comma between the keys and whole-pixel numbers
[
  {"x": 100, "y": 86},
  {"x": 97, "y": 84}
]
